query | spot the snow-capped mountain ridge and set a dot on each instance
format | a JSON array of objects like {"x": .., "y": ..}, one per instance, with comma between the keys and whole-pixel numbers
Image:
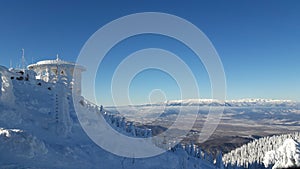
[
  {"x": 227, "y": 103},
  {"x": 247, "y": 100}
]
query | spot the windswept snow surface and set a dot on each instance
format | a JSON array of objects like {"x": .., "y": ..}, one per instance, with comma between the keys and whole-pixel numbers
[{"x": 39, "y": 129}]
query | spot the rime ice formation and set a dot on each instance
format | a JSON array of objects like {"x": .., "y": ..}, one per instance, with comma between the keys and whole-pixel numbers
[
  {"x": 286, "y": 156},
  {"x": 6, "y": 93},
  {"x": 278, "y": 151}
]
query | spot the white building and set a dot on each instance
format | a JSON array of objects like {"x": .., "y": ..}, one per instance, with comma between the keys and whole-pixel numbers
[{"x": 59, "y": 71}]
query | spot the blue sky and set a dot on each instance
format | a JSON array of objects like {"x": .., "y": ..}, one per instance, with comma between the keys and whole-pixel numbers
[{"x": 257, "y": 41}]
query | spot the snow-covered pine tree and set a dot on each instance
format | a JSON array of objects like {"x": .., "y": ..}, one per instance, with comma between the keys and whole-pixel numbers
[{"x": 252, "y": 154}]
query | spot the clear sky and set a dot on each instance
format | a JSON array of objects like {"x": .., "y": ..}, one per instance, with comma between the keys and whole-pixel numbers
[{"x": 257, "y": 41}]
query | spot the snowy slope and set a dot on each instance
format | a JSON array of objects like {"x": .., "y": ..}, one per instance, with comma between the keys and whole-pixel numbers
[{"x": 39, "y": 129}]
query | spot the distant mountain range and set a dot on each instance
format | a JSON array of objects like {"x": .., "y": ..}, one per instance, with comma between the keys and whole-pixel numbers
[{"x": 227, "y": 103}]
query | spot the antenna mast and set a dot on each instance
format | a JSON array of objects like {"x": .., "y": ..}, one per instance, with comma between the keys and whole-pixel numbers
[
  {"x": 10, "y": 64},
  {"x": 23, "y": 62}
]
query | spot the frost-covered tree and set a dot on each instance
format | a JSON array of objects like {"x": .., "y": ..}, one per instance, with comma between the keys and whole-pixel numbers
[
  {"x": 287, "y": 155},
  {"x": 252, "y": 154}
]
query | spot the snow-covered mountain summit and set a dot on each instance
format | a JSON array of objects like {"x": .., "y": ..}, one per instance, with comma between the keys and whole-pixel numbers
[{"x": 39, "y": 127}]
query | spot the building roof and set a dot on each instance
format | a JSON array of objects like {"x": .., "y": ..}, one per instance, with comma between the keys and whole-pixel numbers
[{"x": 55, "y": 62}]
